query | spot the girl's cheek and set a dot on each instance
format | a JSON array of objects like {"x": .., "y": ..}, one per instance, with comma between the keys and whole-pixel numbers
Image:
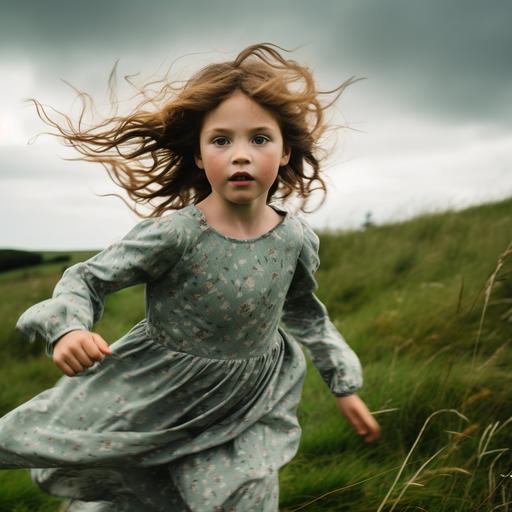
[
  {"x": 270, "y": 163},
  {"x": 213, "y": 159},
  {"x": 217, "y": 163}
]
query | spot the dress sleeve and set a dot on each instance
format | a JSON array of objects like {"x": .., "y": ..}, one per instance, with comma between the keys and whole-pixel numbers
[
  {"x": 150, "y": 248},
  {"x": 307, "y": 319}
]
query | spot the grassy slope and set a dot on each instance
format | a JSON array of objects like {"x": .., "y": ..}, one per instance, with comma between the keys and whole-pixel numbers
[{"x": 408, "y": 297}]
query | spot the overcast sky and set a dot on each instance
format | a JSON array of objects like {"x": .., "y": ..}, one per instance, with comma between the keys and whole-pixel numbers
[{"x": 433, "y": 116}]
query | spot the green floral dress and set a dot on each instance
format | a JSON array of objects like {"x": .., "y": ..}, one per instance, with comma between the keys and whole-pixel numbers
[{"x": 196, "y": 408}]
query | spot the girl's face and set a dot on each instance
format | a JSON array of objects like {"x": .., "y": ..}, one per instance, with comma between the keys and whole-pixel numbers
[{"x": 240, "y": 136}]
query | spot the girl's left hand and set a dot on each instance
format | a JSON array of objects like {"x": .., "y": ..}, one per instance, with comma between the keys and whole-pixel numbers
[{"x": 358, "y": 415}]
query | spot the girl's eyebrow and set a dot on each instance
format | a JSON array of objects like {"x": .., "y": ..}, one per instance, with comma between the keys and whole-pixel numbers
[{"x": 227, "y": 130}]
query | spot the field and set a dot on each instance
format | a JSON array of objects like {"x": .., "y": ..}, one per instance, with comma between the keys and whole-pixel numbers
[{"x": 426, "y": 304}]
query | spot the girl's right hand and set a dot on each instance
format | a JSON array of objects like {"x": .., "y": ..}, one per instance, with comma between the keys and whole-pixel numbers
[{"x": 78, "y": 350}]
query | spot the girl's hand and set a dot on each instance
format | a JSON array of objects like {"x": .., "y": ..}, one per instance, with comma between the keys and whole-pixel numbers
[
  {"x": 77, "y": 350},
  {"x": 359, "y": 416}
]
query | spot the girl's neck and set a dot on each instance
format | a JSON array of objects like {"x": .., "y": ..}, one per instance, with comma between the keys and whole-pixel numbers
[{"x": 239, "y": 221}]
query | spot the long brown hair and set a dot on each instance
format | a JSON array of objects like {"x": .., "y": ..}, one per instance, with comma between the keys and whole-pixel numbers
[{"x": 150, "y": 152}]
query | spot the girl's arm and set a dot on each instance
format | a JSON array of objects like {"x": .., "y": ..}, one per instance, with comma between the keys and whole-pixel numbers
[
  {"x": 307, "y": 319},
  {"x": 149, "y": 249}
]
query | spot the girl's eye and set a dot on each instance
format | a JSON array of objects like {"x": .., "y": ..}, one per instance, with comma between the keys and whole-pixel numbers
[
  {"x": 217, "y": 140},
  {"x": 261, "y": 137}
]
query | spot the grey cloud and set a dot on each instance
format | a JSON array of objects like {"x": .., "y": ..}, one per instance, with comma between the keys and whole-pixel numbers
[
  {"x": 59, "y": 26},
  {"x": 446, "y": 59}
]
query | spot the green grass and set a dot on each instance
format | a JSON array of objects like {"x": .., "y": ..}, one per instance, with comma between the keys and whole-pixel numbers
[{"x": 409, "y": 299}]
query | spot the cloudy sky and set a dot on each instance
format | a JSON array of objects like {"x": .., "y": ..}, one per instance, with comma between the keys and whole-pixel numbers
[{"x": 432, "y": 117}]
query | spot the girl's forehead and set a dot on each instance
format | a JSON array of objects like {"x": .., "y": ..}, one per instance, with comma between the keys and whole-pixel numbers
[{"x": 239, "y": 111}]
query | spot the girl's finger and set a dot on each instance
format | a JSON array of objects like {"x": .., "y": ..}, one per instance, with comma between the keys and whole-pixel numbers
[
  {"x": 364, "y": 424},
  {"x": 73, "y": 363},
  {"x": 92, "y": 350},
  {"x": 356, "y": 422},
  {"x": 371, "y": 437},
  {"x": 81, "y": 356},
  {"x": 373, "y": 430},
  {"x": 65, "y": 368},
  {"x": 101, "y": 343}
]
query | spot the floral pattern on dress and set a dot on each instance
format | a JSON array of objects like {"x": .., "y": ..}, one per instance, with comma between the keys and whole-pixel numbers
[{"x": 196, "y": 409}]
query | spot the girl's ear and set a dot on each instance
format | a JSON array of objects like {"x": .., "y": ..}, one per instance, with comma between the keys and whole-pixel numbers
[
  {"x": 285, "y": 158},
  {"x": 198, "y": 160}
]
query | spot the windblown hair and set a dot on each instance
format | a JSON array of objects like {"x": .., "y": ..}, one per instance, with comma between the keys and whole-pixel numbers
[{"x": 150, "y": 152}]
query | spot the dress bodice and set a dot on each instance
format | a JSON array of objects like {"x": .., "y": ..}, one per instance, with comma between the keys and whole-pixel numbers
[{"x": 207, "y": 294}]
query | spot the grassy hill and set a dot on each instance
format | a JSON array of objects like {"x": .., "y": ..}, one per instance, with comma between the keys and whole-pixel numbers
[{"x": 427, "y": 307}]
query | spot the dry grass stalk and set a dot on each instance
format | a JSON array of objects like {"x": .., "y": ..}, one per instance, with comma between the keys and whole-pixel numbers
[
  {"x": 412, "y": 449},
  {"x": 496, "y": 354},
  {"x": 480, "y": 395},
  {"x": 488, "y": 289}
]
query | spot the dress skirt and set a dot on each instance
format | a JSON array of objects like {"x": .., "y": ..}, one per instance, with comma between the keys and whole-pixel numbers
[{"x": 151, "y": 429}]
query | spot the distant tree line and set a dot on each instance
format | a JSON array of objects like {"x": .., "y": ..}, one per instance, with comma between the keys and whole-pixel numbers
[{"x": 11, "y": 259}]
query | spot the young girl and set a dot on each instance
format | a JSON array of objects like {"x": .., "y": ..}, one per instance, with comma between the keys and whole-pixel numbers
[{"x": 193, "y": 409}]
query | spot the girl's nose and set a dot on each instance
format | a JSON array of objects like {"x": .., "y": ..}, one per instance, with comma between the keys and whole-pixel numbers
[{"x": 240, "y": 153}]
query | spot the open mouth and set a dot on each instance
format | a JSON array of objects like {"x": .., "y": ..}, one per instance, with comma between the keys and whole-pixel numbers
[{"x": 241, "y": 177}]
